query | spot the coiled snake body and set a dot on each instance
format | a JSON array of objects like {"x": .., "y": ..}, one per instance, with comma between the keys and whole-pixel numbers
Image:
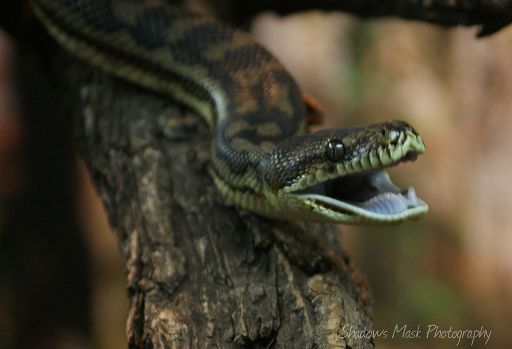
[{"x": 262, "y": 159}]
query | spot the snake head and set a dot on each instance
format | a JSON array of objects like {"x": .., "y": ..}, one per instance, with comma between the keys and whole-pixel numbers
[{"x": 339, "y": 175}]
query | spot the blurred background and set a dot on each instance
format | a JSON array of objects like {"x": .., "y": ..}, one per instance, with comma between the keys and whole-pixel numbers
[{"x": 451, "y": 268}]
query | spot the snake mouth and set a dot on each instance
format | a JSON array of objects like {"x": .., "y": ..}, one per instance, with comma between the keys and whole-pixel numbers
[
  {"x": 371, "y": 195},
  {"x": 366, "y": 195}
]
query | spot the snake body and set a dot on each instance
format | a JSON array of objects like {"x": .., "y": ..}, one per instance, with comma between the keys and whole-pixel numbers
[{"x": 262, "y": 159}]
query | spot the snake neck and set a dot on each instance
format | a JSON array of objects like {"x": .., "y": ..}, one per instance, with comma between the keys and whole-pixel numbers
[{"x": 261, "y": 160}]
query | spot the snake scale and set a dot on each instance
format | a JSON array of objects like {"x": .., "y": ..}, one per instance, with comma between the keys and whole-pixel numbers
[{"x": 262, "y": 158}]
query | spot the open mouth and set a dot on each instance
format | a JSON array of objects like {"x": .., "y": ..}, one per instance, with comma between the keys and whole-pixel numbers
[
  {"x": 366, "y": 194},
  {"x": 373, "y": 192}
]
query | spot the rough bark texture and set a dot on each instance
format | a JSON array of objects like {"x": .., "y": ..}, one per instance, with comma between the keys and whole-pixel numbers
[{"x": 201, "y": 274}]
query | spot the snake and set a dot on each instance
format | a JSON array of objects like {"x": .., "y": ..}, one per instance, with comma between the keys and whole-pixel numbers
[{"x": 262, "y": 157}]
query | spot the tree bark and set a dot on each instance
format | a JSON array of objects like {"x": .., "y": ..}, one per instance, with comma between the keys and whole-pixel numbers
[{"x": 202, "y": 274}]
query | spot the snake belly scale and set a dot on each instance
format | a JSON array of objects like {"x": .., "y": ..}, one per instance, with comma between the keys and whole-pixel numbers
[{"x": 262, "y": 159}]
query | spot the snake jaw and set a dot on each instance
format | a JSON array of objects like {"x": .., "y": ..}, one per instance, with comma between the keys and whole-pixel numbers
[
  {"x": 375, "y": 199},
  {"x": 360, "y": 190}
]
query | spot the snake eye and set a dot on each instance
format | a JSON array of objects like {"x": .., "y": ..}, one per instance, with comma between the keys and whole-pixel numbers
[{"x": 335, "y": 150}]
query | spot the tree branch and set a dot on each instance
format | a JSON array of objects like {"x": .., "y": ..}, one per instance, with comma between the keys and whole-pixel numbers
[{"x": 201, "y": 274}]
